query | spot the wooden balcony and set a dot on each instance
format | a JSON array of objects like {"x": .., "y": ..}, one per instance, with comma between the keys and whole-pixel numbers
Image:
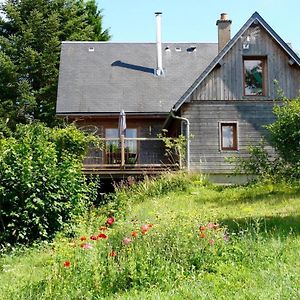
[{"x": 123, "y": 157}]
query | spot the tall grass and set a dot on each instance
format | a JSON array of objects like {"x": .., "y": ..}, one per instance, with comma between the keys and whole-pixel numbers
[
  {"x": 132, "y": 192},
  {"x": 182, "y": 240}
]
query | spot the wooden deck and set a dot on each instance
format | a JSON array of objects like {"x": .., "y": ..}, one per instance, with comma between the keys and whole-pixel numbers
[
  {"x": 116, "y": 170},
  {"x": 118, "y": 158}
]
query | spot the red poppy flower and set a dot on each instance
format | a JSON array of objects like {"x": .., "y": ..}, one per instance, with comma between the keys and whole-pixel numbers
[
  {"x": 93, "y": 238},
  {"x": 102, "y": 236},
  {"x": 202, "y": 234},
  {"x": 113, "y": 254},
  {"x": 67, "y": 264},
  {"x": 202, "y": 228},
  {"x": 83, "y": 238},
  {"x": 102, "y": 228},
  {"x": 134, "y": 234},
  {"x": 110, "y": 221}
]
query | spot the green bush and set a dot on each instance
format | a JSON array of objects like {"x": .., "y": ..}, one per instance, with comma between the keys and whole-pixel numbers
[
  {"x": 285, "y": 138},
  {"x": 285, "y": 131},
  {"x": 41, "y": 185}
]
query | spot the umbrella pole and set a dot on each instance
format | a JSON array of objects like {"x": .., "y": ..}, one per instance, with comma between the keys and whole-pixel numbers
[{"x": 122, "y": 150}]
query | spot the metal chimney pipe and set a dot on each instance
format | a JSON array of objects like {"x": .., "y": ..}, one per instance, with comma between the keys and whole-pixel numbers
[{"x": 159, "y": 69}]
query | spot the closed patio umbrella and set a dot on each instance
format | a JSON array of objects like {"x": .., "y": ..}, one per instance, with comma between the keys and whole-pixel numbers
[
  {"x": 122, "y": 133},
  {"x": 122, "y": 123}
]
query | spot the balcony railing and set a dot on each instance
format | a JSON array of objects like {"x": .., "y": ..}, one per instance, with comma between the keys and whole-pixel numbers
[{"x": 129, "y": 154}]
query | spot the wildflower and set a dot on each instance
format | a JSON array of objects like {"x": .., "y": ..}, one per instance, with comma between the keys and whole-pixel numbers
[
  {"x": 226, "y": 237},
  {"x": 216, "y": 226},
  {"x": 144, "y": 229},
  {"x": 102, "y": 236},
  {"x": 67, "y": 264},
  {"x": 150, "y": 225},
  {"x": 72, "y": 244},
  {"x": 110, "y": 221},
  {"x": 93, "y": 237},
  {"x": 113, "y": 254},
  {"x": 126, "y": 241},
  {"x": 202, "y": 228},
  {"x": 83, "y": 238},
  {"x": 211, "y": 241},
  {"x": 102, "y": 228},
  {"x": 86, "y": 246},
  {"x": 134, "y": 234},
  {"x": 202, "y": 234},
  {"x": 210, "y": 225}
]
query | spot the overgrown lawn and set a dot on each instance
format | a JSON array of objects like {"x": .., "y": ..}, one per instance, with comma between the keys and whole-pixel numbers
[{"x": 196, "y": 242}]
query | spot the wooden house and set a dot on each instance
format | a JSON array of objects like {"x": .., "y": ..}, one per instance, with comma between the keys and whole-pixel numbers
[{"x": 220, "y": 93}]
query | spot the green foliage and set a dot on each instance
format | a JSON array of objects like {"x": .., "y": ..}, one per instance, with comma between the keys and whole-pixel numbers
[
  {"x": 252, "y": 253},
  {"x": 30, "y": 37},
  {"x": 95, "y": 19},
  {"x": 175, "y": 148},
  {"x": 285, "y": 138},
  {"x": 285, "y": 131},
  {"x": 41, "y": 185}
]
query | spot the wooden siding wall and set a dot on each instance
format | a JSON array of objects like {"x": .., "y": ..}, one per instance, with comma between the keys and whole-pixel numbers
[
  {"x": 220, "y": 97},
  {"x": 226, "y": 81},
  {"x": 205, "y": 116}
]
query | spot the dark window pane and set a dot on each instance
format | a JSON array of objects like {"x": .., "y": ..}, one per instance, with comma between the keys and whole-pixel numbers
[{"x": 253, "y": 77}]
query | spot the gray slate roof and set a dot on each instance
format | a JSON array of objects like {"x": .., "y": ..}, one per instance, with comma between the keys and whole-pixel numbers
[{"x": 118, "y": 76}]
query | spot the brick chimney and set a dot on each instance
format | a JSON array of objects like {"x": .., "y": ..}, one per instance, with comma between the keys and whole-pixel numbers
[{"x": 224, "y": 30}]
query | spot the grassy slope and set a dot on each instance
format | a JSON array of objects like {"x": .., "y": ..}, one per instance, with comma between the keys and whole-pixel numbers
[
  {"x": 261, "y": 260},
  {"x": 267, "y": 222}
]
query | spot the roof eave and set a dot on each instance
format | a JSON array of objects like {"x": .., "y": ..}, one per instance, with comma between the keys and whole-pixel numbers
[{"x": 105, "y": 114}]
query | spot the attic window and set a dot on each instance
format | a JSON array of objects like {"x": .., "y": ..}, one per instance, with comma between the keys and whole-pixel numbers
[
  {"x": 167, "y": 49},
  {"x": 254, "y": 76},
  {"x": 178, "y": 49},
  {"x": 91, "y": 49},
  {"x": 191, "y": 49}
]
